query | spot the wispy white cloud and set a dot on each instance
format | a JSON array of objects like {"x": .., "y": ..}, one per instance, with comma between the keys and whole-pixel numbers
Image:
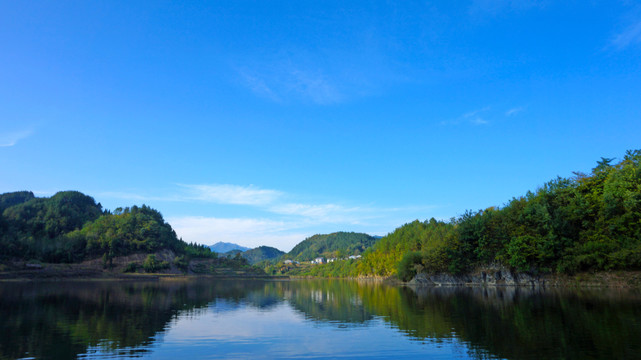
[
  {"x": 131, "y": 196},
  {"x": 13, "y": 137},
  {"x": 258, "y": 86},
  {"x": 479, "y": 121},
  {"x": 629, "y": 36},
  {"x": 267, "y": 200},
  {"x": 315, "y": 87},
  {"x": 246, "y": 231},
  {"x": 480, "y": 116},
  {"x": 287, "y": 81},
  {"x": 200, "y": 225},
  {"x": 475, "y": 113},
  {"x": 324, "y": 213},
  {"x": 232, "y": 194},
  {"x": 225, "y": 194},
  {"x": 449, "y": 122},
  {"x": 474, "y": 117},
  {"x": 514, "y": 111},
  {"x": 275, "y": 219}
]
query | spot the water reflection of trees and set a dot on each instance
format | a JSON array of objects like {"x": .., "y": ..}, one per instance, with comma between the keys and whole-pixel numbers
[
  {"x": 59, "y": 320},
  {"x": 328, "y": 300},
  {"x": 63, "y": 320},
  {"x": 513, "y": 323},
  {"x": 518, "y": 323}
]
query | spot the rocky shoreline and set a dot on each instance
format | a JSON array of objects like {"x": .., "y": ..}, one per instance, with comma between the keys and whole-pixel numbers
[
  {"x": 117, "y": 270},
  {"x": 502, "y": 276}
]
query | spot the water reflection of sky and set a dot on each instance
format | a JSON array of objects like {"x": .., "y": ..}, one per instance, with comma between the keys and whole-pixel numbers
[
  {"x": 313, "y": 319},
  {"x": 282, "y": 332}
]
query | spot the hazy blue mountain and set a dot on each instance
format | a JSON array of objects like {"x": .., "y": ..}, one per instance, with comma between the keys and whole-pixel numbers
[{"x": 223, "y": 247}]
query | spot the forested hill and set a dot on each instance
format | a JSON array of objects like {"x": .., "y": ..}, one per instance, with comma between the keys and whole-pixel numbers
[
  {"x": 71, "y": 227},
  {"x": 15, "y": 198},
  {"x": 338, "y": 245},
  {"x": 589, "y": 222},
  {"x": 262, "y": 253}
]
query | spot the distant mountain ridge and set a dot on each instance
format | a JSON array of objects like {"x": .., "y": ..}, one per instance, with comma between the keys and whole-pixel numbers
[{"x": 223, "y": 247}]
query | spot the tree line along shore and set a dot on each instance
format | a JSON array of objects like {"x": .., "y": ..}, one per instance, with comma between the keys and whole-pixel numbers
[{"x": 587, "y": 223}]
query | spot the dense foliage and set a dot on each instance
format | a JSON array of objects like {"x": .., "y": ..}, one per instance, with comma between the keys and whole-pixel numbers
[
  {"x": 151, "y": 264},
  {"x": 337, "y": 269},
  {"x": 335, "y": 245},
  {"x": 586, "y": 223},
  {"x": 127, "y": 231},
  {"x": 36, "y": 227},
  {"x": 71, "y": 227},
  {"x": 430, "y": 238},
  {"x": 262, "y": 253},
  {"x": 14, "y": 198}
]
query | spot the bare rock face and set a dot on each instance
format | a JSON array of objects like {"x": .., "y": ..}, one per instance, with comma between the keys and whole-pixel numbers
[
  {"x": 442, "y": 279},
  {"x": 492, "y": 275}
]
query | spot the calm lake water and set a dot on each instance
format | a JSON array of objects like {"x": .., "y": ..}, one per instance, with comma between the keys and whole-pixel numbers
[{"x": 244, "y": 319}]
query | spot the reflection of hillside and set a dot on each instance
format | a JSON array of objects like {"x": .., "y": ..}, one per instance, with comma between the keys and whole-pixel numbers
[
  {"x": 513, "y": 323},
  {"x": 328, "y": 300},
  {"x": 516, "y": 323},
  {"x": 61, "y": 320},
  {"x": 253, "y": 297}
]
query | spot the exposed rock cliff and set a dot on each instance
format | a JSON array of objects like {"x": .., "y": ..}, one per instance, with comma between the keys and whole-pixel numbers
[{"x": 487, "y": 276}]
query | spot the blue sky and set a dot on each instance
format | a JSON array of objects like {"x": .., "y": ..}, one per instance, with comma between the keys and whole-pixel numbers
[{"x": 262, "y": 123}]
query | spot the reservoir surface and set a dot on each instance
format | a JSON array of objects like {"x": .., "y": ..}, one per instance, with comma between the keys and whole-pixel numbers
[{"x": 313, "y": 319}]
